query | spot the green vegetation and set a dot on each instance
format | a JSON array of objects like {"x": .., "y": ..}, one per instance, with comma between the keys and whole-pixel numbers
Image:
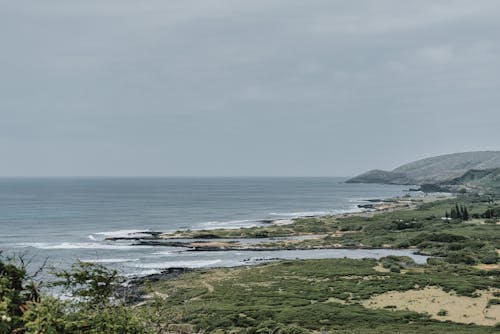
[
  {"x": 485, "y": 180},
  {"x": 299, "y": 296},
  {"x": 468, "y": 235},
  {"x": 314, "y": 295},
  {"x": 286, "y": 297},
  {"x": 92, "y": 307},
  {"x": 455, "y": 239},
  {"x": 458, "y": 212},
  {"x": 442, "y": 313}
]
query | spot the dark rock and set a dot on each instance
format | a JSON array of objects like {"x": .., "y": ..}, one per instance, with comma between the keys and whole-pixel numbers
[{"x": 205, "y": 236}]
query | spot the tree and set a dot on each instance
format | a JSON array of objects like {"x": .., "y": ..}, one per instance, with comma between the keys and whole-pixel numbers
[
  {"x": 16, "y": 294},
  {"x": 95, "y": 301},
  {"x": 92, "y": 308},
  {"x": 458, "y": 212},
  {"x": 465, "y": 214},
  {"x": 91, "y": 283}
]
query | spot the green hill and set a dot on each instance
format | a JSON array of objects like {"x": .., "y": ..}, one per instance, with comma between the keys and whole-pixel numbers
[
  {"x": 435, "y": 170},
  {"x": 474, "y": 179}
]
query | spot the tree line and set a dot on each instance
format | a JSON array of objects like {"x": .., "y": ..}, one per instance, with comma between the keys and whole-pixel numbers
[{"x": 458, "y": 212}]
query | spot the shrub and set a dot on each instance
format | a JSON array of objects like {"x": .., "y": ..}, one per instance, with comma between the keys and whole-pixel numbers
[
  {"x": 461, "y": 257},
  {"x": 17, "y": 292},
  {"x": 493, "y": 301},
  {"x": 395, "y": 268},
  {"x": 490, "y": 258},
  {"x": 23, "y": 310},
  {"x": 442, "y": 313},
  {"x": 293, "y": 330},
  {"x": 92, "y": 283}
]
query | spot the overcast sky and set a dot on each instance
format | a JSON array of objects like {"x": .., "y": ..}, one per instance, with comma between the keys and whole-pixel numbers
[{"x": 317, "y": 88}]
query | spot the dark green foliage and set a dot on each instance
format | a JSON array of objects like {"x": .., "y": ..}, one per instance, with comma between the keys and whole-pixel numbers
[
  {"x": 92, "y": 311},
  {"x": 465, "y": 213},
  {"x": 404, "y": 225},
  {"x": 93, "y": 283},
  {"x": 442, "y": 313},
  {"x": 458, "y": 212},
  {"x": 457, "y": 240},
  {"x": 16, "y": 294},
  {"x": 492, "y": 212}
]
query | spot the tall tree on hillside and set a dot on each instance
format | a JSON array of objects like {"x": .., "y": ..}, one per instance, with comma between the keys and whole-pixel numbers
[
  {"x": 453, "y": 213},
  {"x": 465, "y": 213}
]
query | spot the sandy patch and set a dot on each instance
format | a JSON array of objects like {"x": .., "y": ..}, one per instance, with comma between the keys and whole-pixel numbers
[
  {"x": 282, "y": 222},
  {"x": 476, "y": 221},
  {"x": 488, "y": 267},
  {"x": 335, "y": 300},
  {"x": 209, "y": 286},
  {"x": 381, "y": 269},
  {"x": 432, "y": 300},
  {"x": 212, "y": 244},
  {"x": 366, "y": 278}
]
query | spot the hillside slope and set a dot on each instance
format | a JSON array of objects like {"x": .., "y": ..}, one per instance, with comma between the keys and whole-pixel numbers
[
  {"x": 482, "y": 180},
  {"x": 433, "y": 170}
]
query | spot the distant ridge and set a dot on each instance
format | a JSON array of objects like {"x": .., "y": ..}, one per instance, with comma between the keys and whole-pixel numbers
[
  {"x": 435, "y": 170},
  {"x": 476, "y": 179}
]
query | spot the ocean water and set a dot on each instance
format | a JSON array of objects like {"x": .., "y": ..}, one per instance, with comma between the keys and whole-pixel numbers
[{"x": 64, "y": 219}]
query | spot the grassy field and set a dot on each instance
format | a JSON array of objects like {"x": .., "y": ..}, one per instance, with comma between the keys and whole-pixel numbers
[{"x": 315, "y": 295}]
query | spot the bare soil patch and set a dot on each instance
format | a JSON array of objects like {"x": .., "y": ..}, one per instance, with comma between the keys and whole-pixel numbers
[{"x": 434, "y": 301}]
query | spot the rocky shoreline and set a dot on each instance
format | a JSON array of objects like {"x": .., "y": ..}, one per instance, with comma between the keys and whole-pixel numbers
[{"x": 268, "y": 237}]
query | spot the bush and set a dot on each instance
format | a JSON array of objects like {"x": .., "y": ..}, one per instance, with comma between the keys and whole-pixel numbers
[
  {"x": 442, "y": 313},
  {"x": 92, "y": 283},
  {"x": 493, "y": 301},
  {"x": 461, "y": 257},
  {"x": 395, "y": 269},
  {"x": 93, "y": 311},
  {"x": 490, "y": 258},
  {"x": 292, "y": 330},
  {"x": 17, "y": 292}
]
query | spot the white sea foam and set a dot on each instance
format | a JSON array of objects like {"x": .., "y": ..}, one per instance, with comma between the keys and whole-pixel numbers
[
  {"x": 78, "y": 245},
  {"x": 163, "y": 253},
  {"x": 109, "y": 260},
  {"x": 119, "y": 234},
  {"x": 210, "y": 225},
  {"x": 143, "y": 273},
  {"x": 358, "y": 200},
  {"x": 176, "y": 264},
  {"x": 314, "y": 213}
]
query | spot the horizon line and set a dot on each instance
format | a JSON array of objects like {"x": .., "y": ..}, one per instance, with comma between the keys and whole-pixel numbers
[{"x": 162, "y": 176}]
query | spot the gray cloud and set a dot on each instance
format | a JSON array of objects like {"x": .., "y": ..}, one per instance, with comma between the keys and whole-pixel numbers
[{"x": 244, "y": 87}]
